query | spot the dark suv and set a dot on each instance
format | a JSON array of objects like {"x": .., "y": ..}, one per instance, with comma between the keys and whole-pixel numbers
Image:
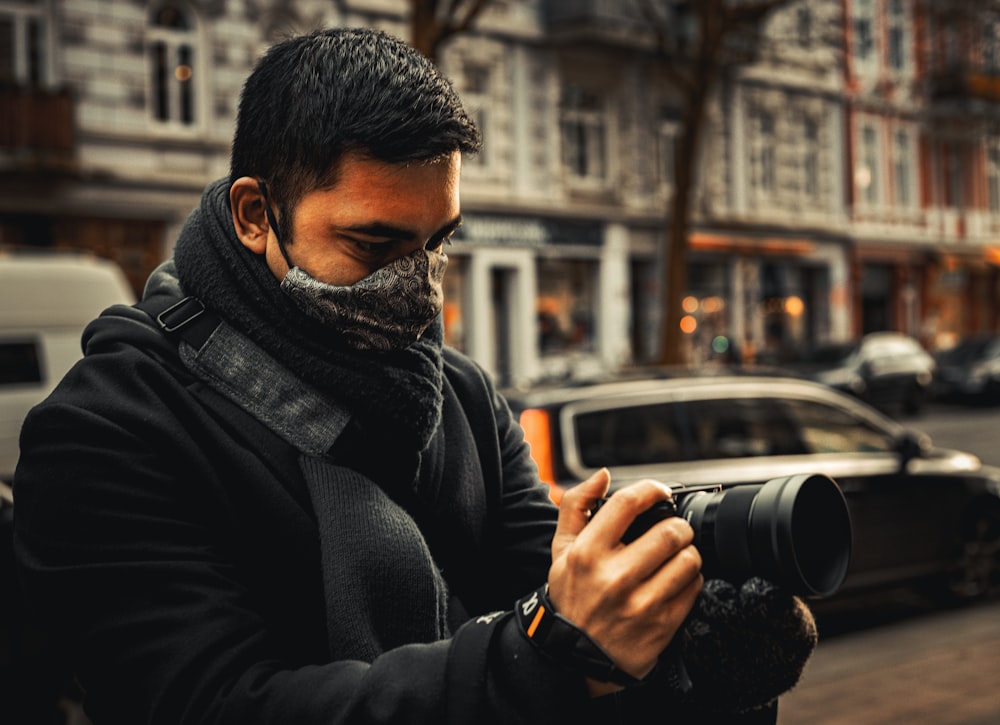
[{"x": 917, "y": 512}]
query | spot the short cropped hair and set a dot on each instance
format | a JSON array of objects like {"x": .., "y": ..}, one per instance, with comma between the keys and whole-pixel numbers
[{"x": 315, "y": 97}]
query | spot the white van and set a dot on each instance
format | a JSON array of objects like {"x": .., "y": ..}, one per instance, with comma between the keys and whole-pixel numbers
[{"x": 46, "y": 299}]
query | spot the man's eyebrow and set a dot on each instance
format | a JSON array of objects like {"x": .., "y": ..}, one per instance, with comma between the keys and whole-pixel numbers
[{"x": 390, "y": 231}]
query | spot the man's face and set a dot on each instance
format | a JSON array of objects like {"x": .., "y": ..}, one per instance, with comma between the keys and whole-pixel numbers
[{"x": 375, "y": 213}]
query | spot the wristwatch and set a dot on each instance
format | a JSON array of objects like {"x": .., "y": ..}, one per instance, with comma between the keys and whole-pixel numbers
[{"x": 564, "y": 642}]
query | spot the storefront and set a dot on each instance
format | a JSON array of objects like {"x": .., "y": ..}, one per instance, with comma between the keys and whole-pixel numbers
[
  {"x": 533, "y": 298},
  {"x": 749, "y": 299},
  {"x": 963, "y": 295}
]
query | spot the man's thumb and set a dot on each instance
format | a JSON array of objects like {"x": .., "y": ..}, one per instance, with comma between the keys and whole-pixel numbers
[{"x": 577, "y": 503}]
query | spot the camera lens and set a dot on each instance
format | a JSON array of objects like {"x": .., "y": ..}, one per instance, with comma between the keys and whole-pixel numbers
[{"x": 794, "y": 531}]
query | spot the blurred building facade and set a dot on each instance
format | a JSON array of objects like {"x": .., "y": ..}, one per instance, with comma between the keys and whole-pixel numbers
[
  {"x": 923, "y": 103},
  {"x": 842, "y": 187}
]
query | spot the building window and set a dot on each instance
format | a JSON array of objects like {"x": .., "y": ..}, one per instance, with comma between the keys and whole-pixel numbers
[
  {"x": 863, "y": 25},
  {"x": 867, "y": 176},
  {"x": 898, "y": 50},
  {"x": 171, "y": 43},
  {"x": 762, "y": 159},
  {"x": 477, "y": 83},
  {"x": 803, "y": 26},
  {"x": 667, "y": 129},
  {"x": 583, "y": 124},
  {"x": 810, "y": 159},
  {"x": 902, "y": 163},
  {"x": 22, "y": 45}
]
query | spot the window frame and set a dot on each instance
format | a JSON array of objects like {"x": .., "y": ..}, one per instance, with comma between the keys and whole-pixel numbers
[
  {"x": 898, "y": 51},
  {"x": 763, "y": 159},
  {"x": 478, "y": 101},
  {"x": 864, "y": 35},
  {"x": 904, "y": 167},
  {"x": 585, "y": 111},
  {"x": 869, "y": 195},
  {"x": 666, "y": 134},
  {"x": 811, "y": 184},
  {"x": 162, "y": 84},
  {"x": 30, "y": 68}
]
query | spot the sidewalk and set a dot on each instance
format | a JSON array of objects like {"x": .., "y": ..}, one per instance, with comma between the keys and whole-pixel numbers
[{"x": 938, "y": 669}]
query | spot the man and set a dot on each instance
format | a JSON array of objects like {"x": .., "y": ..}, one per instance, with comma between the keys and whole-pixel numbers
[{"x": 270, "y": 495}]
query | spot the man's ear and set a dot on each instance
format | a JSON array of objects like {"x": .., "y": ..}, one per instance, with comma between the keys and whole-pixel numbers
[{"x": 249, "y": 218}]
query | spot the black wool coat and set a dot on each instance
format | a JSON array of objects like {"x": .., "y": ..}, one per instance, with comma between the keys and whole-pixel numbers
[{"x": 169, "y": 540}]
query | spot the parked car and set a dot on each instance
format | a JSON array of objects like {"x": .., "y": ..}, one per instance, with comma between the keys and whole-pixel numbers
[
  {"x": 970, "y": 370},
  {"x": 889, "y": 370},
  {"x": 918, "y": 513},
  {"x": 46, "y": 299}
]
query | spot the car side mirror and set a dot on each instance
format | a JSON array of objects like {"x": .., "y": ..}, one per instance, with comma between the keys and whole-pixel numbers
[{"x": 910, "y": 445}]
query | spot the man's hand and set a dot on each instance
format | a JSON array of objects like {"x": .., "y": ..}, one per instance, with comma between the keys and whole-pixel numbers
[{"x": 630, "y": 599}]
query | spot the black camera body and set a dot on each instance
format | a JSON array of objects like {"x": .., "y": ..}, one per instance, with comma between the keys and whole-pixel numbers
[{"x": 794, "y": 531}]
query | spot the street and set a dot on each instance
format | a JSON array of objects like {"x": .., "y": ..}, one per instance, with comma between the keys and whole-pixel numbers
[
  {"x": 896, "y": 659},
  {"x": 971, "y": 428},
  {"x": 905, "y": 664}
]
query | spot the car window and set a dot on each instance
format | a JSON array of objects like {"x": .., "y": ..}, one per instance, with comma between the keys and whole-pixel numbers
[
  {"x": 630, "y": 436},
  {"x": 19, "y": 363},
  {"x": 741, "y": 428},
  {"x": 893, "y": 347},
  {"x": 826, "y": 429}
]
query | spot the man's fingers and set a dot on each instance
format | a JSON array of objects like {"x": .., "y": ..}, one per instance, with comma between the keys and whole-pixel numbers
[
  {"x": 575, "y": 507},
  {"x": 621, "y": 509}
]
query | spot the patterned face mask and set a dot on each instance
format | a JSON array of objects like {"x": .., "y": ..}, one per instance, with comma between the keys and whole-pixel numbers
[{"x": 390, "y": 309}]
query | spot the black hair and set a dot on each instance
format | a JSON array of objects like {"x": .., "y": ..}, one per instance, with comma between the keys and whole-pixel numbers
[{"x": 312, "y": 98}]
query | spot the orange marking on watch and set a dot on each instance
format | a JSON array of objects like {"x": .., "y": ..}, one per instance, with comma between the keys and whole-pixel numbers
[{"x": 534, "y": 622}]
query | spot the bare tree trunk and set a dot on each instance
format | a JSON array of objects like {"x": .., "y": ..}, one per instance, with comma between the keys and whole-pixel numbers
[
  {"x": 431, "y": 26},
  {"x": 674, "y": 272}
]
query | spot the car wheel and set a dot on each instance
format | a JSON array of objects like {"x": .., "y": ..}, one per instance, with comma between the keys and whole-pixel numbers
[{"x": 977, "y": 571}]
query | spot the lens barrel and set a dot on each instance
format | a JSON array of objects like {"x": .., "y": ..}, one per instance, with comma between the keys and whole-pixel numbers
[{"x": 794, "y": 531}]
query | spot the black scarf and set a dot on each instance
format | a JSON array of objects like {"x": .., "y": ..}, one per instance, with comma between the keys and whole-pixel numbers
[{"x": 394, "y": 395}]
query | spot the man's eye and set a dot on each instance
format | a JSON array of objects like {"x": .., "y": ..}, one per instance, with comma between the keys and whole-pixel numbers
[
  {"x": 436, "y": 244},
  {"x": 373, "y": 248}
]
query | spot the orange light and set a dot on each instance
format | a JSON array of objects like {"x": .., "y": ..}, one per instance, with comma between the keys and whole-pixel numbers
[
  {"x": 794, "y": 306},
  {"x": 712, "y": 305},
  {"x": 688, "y": 324},
  {"x": 538, "y": 435},
  {"x": 690, "y": 304}
]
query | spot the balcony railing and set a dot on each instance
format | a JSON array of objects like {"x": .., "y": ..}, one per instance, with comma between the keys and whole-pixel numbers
[
  {"x": 609, "y": 21},
  {"x": 966, "y": 83}
]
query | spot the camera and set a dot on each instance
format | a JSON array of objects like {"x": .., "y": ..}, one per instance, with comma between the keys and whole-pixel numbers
[{"x": 794, "y": 531}]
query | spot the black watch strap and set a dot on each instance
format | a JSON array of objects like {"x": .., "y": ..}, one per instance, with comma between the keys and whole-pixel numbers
[{"x": 564, "y": 642}]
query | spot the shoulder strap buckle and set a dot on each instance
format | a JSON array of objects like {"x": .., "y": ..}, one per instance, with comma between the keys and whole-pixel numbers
[{"x": 180, "y": 314}]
